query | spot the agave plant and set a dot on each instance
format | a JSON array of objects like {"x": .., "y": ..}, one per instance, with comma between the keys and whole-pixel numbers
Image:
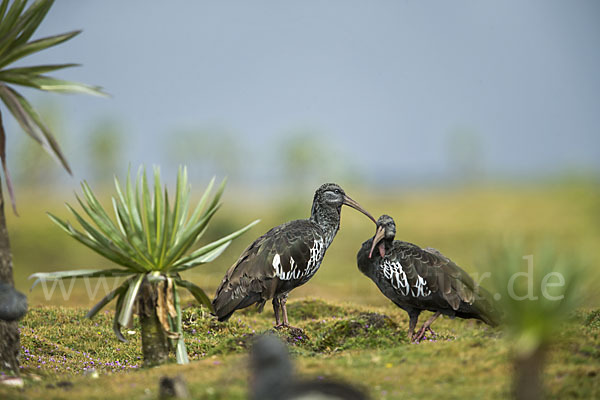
[
  {"x": 17, "y": 25},
  {"x": 151, "y": 243},
  {"x": 536, "y": 296}
]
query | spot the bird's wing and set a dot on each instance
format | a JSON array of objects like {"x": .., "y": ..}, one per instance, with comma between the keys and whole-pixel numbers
[{"x": 429, "y": 270}]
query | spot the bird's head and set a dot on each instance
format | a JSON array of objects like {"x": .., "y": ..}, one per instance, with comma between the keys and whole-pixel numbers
[
  {"x": 386, "y": 231},
  {"x": 332, "y": 195}
]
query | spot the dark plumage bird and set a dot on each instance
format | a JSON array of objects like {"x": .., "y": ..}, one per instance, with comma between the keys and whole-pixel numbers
[
  {"x": 13, "y": 304},
  {"x": 284, "y": 258},
  {"x": 272, "y": 377},
  {"x": 417, "y": 279}
]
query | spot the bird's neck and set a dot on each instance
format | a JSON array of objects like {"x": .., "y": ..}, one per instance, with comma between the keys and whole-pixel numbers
[
  {"x": 363, "y": 261},
  {"x": 327, "y": 218}
]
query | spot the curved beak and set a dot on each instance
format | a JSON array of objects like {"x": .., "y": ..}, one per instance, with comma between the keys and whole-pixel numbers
[
  {"x": 376, "y": 239},
  {"x": 349, "y": 202}
]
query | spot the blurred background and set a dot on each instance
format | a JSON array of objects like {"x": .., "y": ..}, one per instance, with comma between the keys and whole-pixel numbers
[{"x": 466, "y": 121}]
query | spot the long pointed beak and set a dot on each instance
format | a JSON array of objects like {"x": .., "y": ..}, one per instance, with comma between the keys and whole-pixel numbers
[
  {"x": 349, "y": 202},
  {"x": 378, "y": 236}
]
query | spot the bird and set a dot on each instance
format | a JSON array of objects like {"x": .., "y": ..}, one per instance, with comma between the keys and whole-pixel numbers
[
  {"x": 13, "y": 304},
  {"x": 272, "y": 376},
  {"x": 417, "y": 280},
  {"x": 284, "y": 258}
]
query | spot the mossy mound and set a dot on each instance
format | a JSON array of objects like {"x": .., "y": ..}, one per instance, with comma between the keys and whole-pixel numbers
[
  {"x": 312, "y": 309},
  {"x": 320, "y": 328},
  {"x": 359, "y": 330},
  {"x": 592, "y": 319}
]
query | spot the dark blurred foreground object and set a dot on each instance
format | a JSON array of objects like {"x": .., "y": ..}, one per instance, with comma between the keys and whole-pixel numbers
[
  {"x": 13, "y": 304},
  {"x": 536, "y": 309},
  {"x": 272, "y": 377},
  {"x": 284, "y": 258},
  {"x": 418, "y": 279},
  {"x": 173, "y": 388}
]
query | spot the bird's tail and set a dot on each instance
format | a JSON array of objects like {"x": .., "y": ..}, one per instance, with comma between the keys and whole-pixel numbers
[
  {"x": 225, "y": 304},
  {"x": 488, "y": 312}
]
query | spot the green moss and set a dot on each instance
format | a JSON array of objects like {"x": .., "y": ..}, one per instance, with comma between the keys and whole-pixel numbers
[
  {"x": 314, "y": 309},
  {"x": 357, "y": 344},
  {"x": 592, "y": 319}
]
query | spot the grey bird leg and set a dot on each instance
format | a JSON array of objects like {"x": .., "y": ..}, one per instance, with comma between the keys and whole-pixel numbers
[
  {"x": 426, "y": 326},
  {"x": 276, "y": 307},
  {"x": 412, "y": 323},
  {"x": 285, "y": 323},
  {"x": 284, "y": 310}
]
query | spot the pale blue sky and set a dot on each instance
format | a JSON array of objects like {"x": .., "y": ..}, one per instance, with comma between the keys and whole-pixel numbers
[{"x": 384, "y": 83}]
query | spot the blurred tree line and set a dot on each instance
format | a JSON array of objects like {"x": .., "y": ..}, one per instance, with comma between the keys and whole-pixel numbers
[{"x": 299, "y": 158}]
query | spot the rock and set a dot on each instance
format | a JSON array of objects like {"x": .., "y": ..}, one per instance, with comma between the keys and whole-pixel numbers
[
  {"x": 64, "y": 385},
  {"x": 13, "y": 381},
  {"x": 173, "y": 388},
  {"x": 13, "y": 304}
]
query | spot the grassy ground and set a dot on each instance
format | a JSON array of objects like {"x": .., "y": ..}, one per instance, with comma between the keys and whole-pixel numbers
[
  {"x": 364, "y": 345},
  {"x": 345, "y": 337}
]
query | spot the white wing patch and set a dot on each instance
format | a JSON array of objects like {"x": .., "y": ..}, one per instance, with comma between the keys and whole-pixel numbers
[
  {"x": 420, "y": 288},
  {"x": 277, "y": 264},
  {"x": 396, "y": 275},
  {"x": 394, "y": 272},
  {"x": 317, "y": 251}
]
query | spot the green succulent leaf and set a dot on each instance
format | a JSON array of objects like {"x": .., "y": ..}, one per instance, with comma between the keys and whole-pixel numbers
[
  {"x": 196, "y": 291},
  {"x": 12, "y": 17},
  {"x": 129, "y": 300},
  {"x": 116, "y": 325},
  {"x": 181, "y": 354},
  {"x": 49, "y": 84},
  {"x": 117, "y": 258},
  {"x": 31, "y": 123},
  {"x": 211, "y": 251},
  {"x": 35, "y": 70},
  {"x": 77, "y": 273},
  {"x": 200, "y": 206},
  {"x": 34, "y": 47},
  {"x": 107, "y": 299}
]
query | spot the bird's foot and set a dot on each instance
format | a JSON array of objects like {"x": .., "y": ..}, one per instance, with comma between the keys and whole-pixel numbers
[
  {"x": 420, "y": 335},
  {"x": 433, "y": 334}
]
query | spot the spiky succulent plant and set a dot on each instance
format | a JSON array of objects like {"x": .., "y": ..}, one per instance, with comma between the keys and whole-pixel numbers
[{"x": 150, "y": 241}]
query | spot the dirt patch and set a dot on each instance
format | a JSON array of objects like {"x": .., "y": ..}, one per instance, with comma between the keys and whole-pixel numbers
[{"x": 292, "y": 335}]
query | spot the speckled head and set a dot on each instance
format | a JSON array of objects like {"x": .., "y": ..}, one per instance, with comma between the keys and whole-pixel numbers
[
  {"x": 386, "y": 232},
  {"x": 332, "y": 196}
]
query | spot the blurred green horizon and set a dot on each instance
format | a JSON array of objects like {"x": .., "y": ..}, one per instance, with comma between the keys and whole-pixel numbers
[{"x": 462, "y": 222}]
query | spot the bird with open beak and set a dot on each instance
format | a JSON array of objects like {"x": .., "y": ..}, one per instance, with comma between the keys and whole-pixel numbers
[{"x": 417, "y": 280}]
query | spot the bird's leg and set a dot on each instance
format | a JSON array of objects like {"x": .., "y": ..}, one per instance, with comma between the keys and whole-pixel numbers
[
  {"x": 285, "y": 323},
  {"x": 276, "y": 307},
  {"x": 412, "y": 323},
  {"x": 284, "y": 311},
  {"x": 426, "y": 326}
]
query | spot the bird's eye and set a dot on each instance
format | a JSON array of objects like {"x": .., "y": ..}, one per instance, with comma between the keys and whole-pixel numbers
[{"x": 337, "y": 191}]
